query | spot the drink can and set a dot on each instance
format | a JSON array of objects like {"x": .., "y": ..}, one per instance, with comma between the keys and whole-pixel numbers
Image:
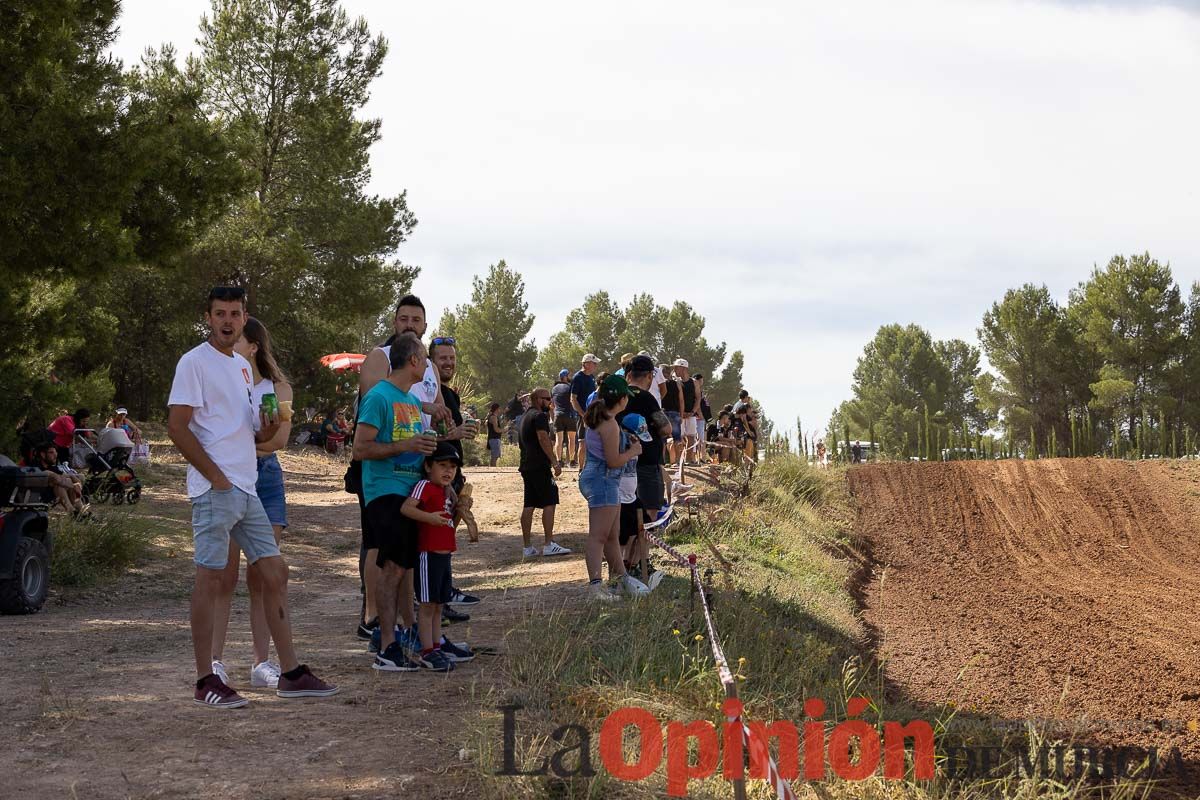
[
  {"x": 270, "y": 404},
  {"x": 442, "y": 428}
]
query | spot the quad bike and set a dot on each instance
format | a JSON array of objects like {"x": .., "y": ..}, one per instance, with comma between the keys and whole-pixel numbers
[{"x": 25, "y": 539}]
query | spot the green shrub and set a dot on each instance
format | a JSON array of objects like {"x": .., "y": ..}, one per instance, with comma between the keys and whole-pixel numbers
[{"x": 85, "y": 552}]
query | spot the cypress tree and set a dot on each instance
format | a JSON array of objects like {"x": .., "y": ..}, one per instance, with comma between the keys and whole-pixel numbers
[
  {"x": 846, "y": 431},
  {"x": 928, "y": 435}
]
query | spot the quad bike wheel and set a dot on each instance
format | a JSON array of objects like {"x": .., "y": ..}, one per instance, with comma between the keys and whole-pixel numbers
[{"x": 26, "y": 591}]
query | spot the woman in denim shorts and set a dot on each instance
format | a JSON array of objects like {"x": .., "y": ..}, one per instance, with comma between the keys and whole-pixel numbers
[
  {"x": 255, "y": 346},
  {"x": 608, "y": 451}
]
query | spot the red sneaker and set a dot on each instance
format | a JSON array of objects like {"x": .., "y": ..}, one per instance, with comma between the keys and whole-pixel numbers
[
  {"x": 306, "y": 685},
  {"x": 212, "y": 692}
]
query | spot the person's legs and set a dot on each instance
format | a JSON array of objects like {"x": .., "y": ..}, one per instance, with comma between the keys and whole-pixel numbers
[
  {"x": 387, "y": 589},
  {"x": 204, "y": 593},
  {"x": 429, "y": 623},
  {"x": 260, "y": 632},
  {"x": 404, "y": 600},
  {"x": 600, "y": 524},
  {"x": 572, "y": 447},
  {"x": 547, "y": 523},
  {"x": 213, "y": 517},
  {"x": 223, "y": 604},
  {"x": 526, "y": 525},
  {"x": 612, "y": 546},
  {"x": 272, "y": 578}
]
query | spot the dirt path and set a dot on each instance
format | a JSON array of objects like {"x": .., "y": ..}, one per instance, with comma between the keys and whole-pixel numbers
[
  {"x": 96, "y": 691},
  {"x": 1064, "y": 589}
]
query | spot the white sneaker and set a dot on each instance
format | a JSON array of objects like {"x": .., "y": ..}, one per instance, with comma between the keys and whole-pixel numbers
[
  {"x": 265, "y": 675},
  {"x": 633, "y": 586},
  {"x": 655, "y": 579},
  {"x": 598, "y": 591},
  {"x": 555, "y": 549},
  {"x": 529, "y": 552},
  {"x": 219, "y": 670}
]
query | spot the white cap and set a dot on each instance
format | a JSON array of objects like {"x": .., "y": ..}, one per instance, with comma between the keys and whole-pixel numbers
[
  {"x": 590, "y": 358},
  {"x": 121, "y": 410},
  {"x": 680, "y": 362}
]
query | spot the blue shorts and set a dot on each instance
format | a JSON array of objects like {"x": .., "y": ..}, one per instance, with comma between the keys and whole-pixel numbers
[
  {"x": 217, "y": 516},
  {"x": 269, "y": 488},
  {"x": 676, "y": 423},
  {"x": 598, "y": 483},
  {"x": 494, "y": 447}
]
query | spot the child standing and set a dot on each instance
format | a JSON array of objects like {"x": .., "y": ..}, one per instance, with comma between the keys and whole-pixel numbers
[{"x": 431, "y": 505}]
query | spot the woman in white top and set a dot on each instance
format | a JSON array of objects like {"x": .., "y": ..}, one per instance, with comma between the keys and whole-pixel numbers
[{"x": 255, "y": 347}]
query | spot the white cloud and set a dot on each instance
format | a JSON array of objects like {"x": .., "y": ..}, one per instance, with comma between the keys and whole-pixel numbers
[{"x": 801, "y": 173}]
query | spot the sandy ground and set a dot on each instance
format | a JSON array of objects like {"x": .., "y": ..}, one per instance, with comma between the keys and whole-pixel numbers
[
  {"x": 96, "y": 689},
  {"x": 1063, "y": 589}
]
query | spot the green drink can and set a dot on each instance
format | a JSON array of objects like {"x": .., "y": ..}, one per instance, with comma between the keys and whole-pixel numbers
[
  {"x": 443, "y": 429},
  {"x": 270, "y": 404}
]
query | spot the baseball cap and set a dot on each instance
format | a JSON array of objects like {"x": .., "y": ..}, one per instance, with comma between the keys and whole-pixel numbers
[
  {"x": 562, "y": 373},
  {"x": 445, "y": 452},
  {"x": 680, "y": 362},
  {"x": 589, "y": 358},
  {"x": 613, "y": 387},
  {"x": 636, "y": 424},
  {"x": 626, "y": 358},
  {"x": 641, "y": 364},
  {"x": 121, "y": 410}
]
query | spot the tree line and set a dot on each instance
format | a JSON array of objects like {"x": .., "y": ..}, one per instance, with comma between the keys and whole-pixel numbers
[
  {"x": 1114, "y": 371},
  {"x": 126, "y": 192}
]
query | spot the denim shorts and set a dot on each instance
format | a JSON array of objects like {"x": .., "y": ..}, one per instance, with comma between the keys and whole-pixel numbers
[
  {"x": 599, "y": 483},
  {"x": 494, "y": 447},
  {"x": 676, "y": 424},
  {"x": 270, "y": 490},
  {"x": 219, "y": 515}
]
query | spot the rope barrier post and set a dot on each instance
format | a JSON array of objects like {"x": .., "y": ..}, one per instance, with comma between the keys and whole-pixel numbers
[{"x": 739, "y": 783}]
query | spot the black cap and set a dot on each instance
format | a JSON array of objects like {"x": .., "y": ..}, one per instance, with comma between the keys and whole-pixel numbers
[
  {"x": 641, "y": 364},
  {"x": 445, "y": 452}
]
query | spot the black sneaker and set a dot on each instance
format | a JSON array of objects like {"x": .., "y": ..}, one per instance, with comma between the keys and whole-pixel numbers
[
  {"x": 455, "y": 653},
  {"x": 395, "y": 659},
  {"x": 462, "y": 598},
  {"x": 366, "y": 628},
  {"x": 451, "y": 615},
  {"x": 436, "y": 661}
]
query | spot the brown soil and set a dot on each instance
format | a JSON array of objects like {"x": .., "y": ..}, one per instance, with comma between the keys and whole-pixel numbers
[
  {"x": 96, "y": 689},
  {"x": 1062, "y": 589}
]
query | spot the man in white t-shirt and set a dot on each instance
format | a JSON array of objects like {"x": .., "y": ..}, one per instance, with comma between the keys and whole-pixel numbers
[
  {"x": 659, "y": 382},
  {"x": 213, "y": 422}
]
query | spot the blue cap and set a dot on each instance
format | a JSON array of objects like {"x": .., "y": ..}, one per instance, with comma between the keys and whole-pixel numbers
[
  {"x": 562, "y": 373},
  {"x": 636, "y": 424}
]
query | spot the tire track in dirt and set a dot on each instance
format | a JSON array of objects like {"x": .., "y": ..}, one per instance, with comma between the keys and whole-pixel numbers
[{"x": 1056, "y": 589}]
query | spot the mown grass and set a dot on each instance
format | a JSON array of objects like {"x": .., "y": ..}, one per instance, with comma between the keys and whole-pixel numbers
[{"x": 790, "y": 630}]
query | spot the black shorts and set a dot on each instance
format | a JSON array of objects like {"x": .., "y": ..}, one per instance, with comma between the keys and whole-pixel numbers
[
  {"x": 394, "y": 534},
  {"x": 566, "y": 422},
  {"x": 540, "y": 489},
  {"x": 629, "y": 520},
  {"x": 651, "y": 492},
  {"x": 434, "y": 583},
  {"x": 580, "y": 429}
]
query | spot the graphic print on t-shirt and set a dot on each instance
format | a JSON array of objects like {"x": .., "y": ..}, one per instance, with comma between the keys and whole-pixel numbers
[{"x": 406, "y": 423}]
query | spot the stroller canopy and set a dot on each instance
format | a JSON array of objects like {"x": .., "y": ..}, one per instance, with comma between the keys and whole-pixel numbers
[{"x": 111, "y": 438}]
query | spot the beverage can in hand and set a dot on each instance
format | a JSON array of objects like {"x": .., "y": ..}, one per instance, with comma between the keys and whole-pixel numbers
[{"x": 270, "y": 404}]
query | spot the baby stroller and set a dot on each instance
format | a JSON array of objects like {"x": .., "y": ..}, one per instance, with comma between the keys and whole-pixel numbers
[{"x": 109, "y": 476}]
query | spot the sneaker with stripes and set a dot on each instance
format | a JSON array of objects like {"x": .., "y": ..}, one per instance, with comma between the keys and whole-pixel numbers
[{"x": 211, "y": 691}]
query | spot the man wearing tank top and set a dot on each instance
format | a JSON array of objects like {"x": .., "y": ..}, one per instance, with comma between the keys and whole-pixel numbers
[{"x": 410, "y": 318}]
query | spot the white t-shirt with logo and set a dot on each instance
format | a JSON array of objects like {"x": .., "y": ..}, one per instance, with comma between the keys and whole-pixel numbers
[
  {"x": 219, "y": 388},
  {"x": 429, "y": 390}
]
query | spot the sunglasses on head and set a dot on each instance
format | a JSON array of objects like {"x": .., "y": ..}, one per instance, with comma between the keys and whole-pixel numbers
[
  {"x": 227, "y": 293},
  {"x": 443, "y": 340}
]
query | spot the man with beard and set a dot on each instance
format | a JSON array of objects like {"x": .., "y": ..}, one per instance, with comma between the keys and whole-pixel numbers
[
  {"x": 213, "y": 422},
  {"x": 410, "y": 318},
  {"x": 444, "y": 354}
]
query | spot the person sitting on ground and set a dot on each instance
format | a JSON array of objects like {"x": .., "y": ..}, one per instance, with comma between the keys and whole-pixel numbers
[
  {"x": 120, "y": 419},
  {"x": 65, "y": 488}
]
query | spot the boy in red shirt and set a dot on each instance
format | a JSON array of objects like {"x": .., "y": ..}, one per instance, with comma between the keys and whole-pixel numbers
[{"x": 431, "y": 504}]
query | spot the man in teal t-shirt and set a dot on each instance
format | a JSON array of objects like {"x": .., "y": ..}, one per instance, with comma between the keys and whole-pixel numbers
[{"x": 391, "y": 442}]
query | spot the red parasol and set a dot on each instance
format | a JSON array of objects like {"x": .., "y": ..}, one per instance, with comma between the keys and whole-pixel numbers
[{"x": 341, "y": 362}]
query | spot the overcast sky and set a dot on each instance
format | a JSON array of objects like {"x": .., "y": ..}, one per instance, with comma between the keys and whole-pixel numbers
[{"x": 799, "y": 172}]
